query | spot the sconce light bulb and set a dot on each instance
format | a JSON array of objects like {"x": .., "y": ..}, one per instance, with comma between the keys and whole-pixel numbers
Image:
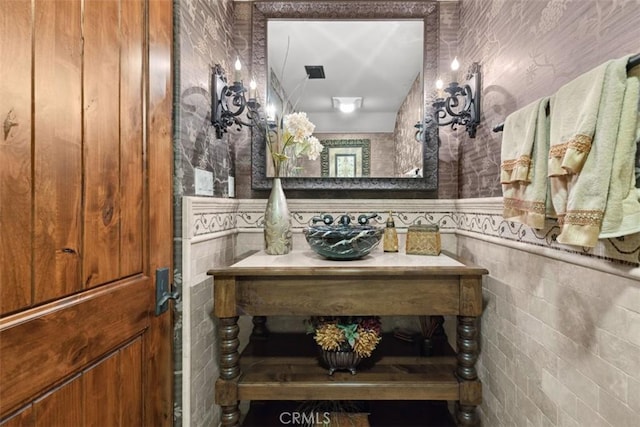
[
  {"x": 439, "y": 84},
  {"x": 252, "y": 84},
  {"x": 455, "y": 65},
  {"x": 238, "y": 65}
]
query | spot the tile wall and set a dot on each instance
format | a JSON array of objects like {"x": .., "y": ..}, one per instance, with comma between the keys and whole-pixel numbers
[
  {"x": 560, "y": 342},
  {"x": 208, "y": 241},
  {"x": 560, "y": 336},
  {"x": 560, "y": 339}
]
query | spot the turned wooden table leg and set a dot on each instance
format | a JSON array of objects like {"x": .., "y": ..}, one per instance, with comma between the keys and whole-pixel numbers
[
  {"x": 230, "y": 416},
  {"x": 466, "y": 415},
  {"x": 229, "y": 365},
  {"x": 260, "y": 329},
  {"x": 470, "y": 388}
]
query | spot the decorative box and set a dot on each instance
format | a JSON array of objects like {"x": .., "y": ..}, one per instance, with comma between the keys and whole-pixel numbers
[{"x": 423, "y": 240}]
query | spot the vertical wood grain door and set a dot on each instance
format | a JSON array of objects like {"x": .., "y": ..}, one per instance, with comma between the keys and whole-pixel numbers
[{"x": 85, "y": 212}]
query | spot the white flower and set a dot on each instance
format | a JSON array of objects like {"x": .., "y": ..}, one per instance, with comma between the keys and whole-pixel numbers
[
  {"x": 314, "y": 148},
  {"x": 292, "y": 139},
  {"x": 299, "y": 126}
]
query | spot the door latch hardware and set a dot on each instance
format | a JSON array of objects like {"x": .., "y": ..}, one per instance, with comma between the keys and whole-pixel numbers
[{"x": 163, "y": 291}]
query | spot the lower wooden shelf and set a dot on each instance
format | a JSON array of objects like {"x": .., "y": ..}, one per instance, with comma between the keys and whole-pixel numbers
[
  {"x": 272, "y": 370},
  {"x": 402, "y": 378}
]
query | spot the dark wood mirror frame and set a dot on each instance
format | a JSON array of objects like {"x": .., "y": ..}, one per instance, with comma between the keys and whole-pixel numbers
[{"x": 428, "y": 11}]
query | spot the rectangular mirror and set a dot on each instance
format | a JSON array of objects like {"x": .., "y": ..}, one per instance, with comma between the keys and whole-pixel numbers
[
  {"x": 368, "y": 84},
  {"x": 380, "y": 55}
]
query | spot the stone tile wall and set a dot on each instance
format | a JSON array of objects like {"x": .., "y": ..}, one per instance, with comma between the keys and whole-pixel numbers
[
  {"x": 209, "y": 241},
  {"x": 560, "y": 338},
  {"x": 204, "y": 356},
  {"x": 560, "y": 343},
  {"x": 200, "y": 353}
]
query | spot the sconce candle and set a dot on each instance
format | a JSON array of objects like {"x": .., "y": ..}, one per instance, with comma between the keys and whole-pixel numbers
[
  {"x": 252, "y": 89},
  {"x": 238, "y": 67},
  {"x": 455, "y": 66},
  {"x": 439, "y": 86}
]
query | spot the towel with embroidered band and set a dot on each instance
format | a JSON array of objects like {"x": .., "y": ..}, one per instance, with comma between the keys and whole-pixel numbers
[
  {"x": 586, "y": 121},
  {"x": 523, "y": 167}
]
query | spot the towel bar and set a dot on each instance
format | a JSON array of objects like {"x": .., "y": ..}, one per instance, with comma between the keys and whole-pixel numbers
[{"x": 633, "y": 62}]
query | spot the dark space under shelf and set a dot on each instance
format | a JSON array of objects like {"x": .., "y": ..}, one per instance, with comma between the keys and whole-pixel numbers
[
  {"x": 300, "y": 344},
  {"x": 387, "y": 413}
]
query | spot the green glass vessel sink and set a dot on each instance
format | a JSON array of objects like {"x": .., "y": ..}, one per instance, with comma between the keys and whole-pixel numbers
[{"x": 343, "y": 241}]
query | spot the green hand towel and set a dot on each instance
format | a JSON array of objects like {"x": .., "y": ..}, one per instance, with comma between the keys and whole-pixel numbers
[
  {"x": 581, "y": 162},
  {"x": 622, "y": 212},
  {"x": 523, "y": 174}
]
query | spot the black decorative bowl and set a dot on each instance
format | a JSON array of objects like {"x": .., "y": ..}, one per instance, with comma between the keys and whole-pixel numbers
[{"x": 341, "y": 361}]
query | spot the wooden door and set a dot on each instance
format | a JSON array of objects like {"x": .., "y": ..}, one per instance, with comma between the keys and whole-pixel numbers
[{"x": 85, "y": 212}]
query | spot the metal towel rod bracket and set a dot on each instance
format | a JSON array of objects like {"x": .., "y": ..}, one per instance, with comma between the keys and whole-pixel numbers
[{"x": 633, "y": 62}]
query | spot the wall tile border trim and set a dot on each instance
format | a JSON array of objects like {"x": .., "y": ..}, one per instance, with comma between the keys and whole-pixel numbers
[
  {"x": 480, "y": 218},
  {"x": 483, "y": 216},
  {"x": 204, "y": 216}
]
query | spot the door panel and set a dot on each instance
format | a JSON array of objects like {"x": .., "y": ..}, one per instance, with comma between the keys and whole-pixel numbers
[
  {"x": 115, "y": 403},
  {"x": 101, "y": 228},
  {"x": 57, "y": 148},
  {"x": 15, "y": 155},
  {"x": 86, "y": 212},
  {"x": 108, "y": 393},
  {"x": 50, "y": 409},
  {"x": 21, "y": 419},
  {"x": 131, "y": 135},
  {"x": 57, "y": 340},
  {"x": 131, "y": 397}
]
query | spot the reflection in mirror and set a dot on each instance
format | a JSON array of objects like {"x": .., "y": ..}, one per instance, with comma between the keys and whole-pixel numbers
[
  {"x": 384, "y": 78},
  {"x": 348, "y": 158},
  {"x": 369, "y": 85}
]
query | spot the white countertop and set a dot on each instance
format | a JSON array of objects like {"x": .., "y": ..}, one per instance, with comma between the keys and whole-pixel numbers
[{"x": 308, "y": 258}]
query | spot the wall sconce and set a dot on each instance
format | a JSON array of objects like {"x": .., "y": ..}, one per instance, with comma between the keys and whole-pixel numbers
[
  {"x": 462, "y": 105},
  {"x": 228, "y": 102}
]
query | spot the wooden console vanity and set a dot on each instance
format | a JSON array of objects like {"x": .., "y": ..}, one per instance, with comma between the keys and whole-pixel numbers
[{"x": 302, "y": 283}]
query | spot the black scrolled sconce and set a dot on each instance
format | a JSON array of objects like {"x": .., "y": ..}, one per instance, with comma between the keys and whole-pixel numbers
[
  {"x": 462, "y": 105},
  {"x": 228, "y": 102}
]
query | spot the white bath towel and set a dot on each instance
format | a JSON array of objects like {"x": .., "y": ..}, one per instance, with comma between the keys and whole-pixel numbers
[
  {"x": 523, "y": 168},
  {"x": 585, "y": 120}
]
